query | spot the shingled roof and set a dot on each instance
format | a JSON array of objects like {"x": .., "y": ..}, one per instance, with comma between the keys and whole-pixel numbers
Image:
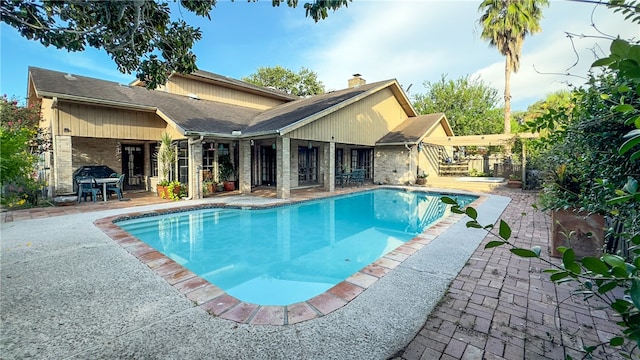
[
  {"x": 282, "y": 116},
  {"x": 203, "y": 117},
  {"x": 190, "y": 115},
  {"x": 413, "y": 130}
]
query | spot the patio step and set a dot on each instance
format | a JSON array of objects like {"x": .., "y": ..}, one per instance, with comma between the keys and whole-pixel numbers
[{"x": 449, "y": 182}]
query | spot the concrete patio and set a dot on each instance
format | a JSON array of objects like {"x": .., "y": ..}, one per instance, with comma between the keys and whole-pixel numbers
[{"x": 69, "y": 291}]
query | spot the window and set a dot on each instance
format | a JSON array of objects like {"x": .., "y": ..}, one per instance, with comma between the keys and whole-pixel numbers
[
  {"x": 153, "y": 155},
  {"x": 307, "y": 165},
  {"x": 362, "y": 159}
]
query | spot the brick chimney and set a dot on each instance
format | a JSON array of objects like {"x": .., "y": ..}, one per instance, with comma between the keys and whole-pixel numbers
[{"x": 356, "y": 81}]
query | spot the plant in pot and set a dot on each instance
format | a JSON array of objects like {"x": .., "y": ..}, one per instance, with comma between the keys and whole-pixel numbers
[
  {"x": 421, "y": 179},
  {"x": 175, "y": 191},
  {"x": 208, "y": 185},
  {"x": 583, "y": 167},
  {"x": 226, "y": 172},
  {"x": 515, "y": 181},
  {"x": 166, "y": 157}
]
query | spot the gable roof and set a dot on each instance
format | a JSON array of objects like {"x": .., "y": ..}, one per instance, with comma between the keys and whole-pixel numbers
[
  {"x": 290, "y": 116},
  {"x": 206, "y": 117},
  {"x": 413, "y": 130}
]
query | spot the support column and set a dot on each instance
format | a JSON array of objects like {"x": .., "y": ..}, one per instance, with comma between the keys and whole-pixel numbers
[
  {"x": 283, "y": 165},
  {"x": 329, "y": 166},
  {"x": 244, "y": 167},
  {"x": 195, "y": 168},
  {"x": 63, "y": 161}
]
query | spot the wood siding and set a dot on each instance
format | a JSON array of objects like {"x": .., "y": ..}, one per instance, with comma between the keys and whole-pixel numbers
[
  {"x": 183, "y": 86},
  {"x": 106, "y": 122},
  {"x": 361, "y": 123}
]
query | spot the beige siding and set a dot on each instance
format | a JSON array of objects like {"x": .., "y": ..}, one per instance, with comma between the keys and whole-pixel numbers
[
  {"x": 47, "y": 113},
  {"x": 437, "y": 131},
  {"x": 183, "y": 86},
  {"x": 362, "y": 123},
  {"x": 105, "y": 122}
]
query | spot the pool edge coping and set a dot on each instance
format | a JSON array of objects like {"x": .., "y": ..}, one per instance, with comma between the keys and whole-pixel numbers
[{"x": 218, "y": 303}]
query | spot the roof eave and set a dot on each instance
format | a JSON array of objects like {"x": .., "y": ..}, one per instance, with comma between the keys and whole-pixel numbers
[
  {"x": 413, "y": 143},
  {"x": 83, "y": 99}
]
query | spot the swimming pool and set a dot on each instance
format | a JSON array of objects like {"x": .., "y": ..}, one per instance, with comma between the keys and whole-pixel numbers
[{"x": 288, "y": 254}]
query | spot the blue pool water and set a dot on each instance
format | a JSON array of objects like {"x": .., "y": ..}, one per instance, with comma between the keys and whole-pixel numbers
[{"x": 288, "y": 254}]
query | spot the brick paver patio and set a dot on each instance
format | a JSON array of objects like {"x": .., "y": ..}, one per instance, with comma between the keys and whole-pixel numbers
[{"x": 501, "y": 306}]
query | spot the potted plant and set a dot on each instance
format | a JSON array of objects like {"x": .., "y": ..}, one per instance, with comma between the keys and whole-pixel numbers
[
  {"x": 583, "y": 167},
  {"x": 208, "y": 185},
  {"x": 514, "y": 182},
  {"x": 421, "y": 179},
  {"x": 166, "y": 157},
  {"x": 175, "y": 191},
  {"x": 226, "y": 172}
]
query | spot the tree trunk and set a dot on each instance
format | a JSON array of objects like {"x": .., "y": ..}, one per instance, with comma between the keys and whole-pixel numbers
[{"x": 507, "y": 94}]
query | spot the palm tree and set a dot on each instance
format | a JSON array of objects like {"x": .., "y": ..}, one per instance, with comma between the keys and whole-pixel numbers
[{"x": 505, "y": 23}]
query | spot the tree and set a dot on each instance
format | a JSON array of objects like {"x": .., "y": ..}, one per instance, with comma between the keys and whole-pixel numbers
[
  {"x": 303, "y": 83},
  {"x": 470, "y": 105},
  {"x": 138, "y": 35},
  {"x": 21, "y": 141},
  {"x": 505, "y": 23}
]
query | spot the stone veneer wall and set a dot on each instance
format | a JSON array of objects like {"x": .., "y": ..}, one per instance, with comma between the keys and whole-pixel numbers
[{"x": 392, "y": 166}]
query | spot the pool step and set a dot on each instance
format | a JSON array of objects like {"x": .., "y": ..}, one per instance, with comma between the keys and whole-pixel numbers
[{"x": 453, "y": 183}]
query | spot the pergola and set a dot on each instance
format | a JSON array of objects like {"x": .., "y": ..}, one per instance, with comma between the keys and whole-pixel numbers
[{"x": 484, "y": 140}]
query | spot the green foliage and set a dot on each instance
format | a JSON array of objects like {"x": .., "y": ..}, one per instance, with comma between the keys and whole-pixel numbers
[
  {"x": 176, "y": 190},
  {"x": 140, "y": 36},
  {"x": 579, "y": 149},
  {"x": 166, "y": 156},
  {"x": 625, "y": 59},
  {"x": 470, "y": 105},
  {"x": 505, "y": 24},
  {"x": 20, "y": 144},
  {"x": 630, "y": 9},
  {"x": 226, "y": 170},
  {"x": 303, "y": 83}
]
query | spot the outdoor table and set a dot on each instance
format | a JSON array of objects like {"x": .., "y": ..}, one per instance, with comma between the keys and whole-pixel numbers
[
  {"x": 104, "y": 182},
  {"x": 344, "y": 178}
]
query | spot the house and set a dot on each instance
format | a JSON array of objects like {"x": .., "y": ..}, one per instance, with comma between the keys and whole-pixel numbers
[{"x": 272, "y": 138}]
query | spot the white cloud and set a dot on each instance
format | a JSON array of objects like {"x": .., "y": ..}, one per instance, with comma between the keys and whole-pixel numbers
[{"x": 418, "y": 41}]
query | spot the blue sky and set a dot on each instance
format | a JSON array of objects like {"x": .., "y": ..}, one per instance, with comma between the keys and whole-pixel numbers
[{"x": 411, "y": 41}]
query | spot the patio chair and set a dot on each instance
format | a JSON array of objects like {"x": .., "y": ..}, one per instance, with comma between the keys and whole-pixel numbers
[
  {"x": 116, "y": 187},
  {"x": 357, "y": 177},
  {"x": 87, "y": 185}
]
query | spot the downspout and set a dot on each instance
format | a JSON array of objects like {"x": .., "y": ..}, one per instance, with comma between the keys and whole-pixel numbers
[{"x": 198, "y": 168}]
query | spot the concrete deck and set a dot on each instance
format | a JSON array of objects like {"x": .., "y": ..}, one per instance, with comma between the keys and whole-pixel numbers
[{"x": 69, "y": 291}]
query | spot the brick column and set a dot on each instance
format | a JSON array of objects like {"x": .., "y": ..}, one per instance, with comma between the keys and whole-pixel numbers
[
  {"x": 195, "y": 168},
  {"x": 283, "y": 165},
  {"x": 330, "y": 166},
  {"x": 63, "y": 165},
  {"x": 244, "y": 167}
]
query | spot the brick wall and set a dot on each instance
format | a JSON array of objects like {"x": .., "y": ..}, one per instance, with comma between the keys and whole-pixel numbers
[
  {"x": 392, "y": 166},
  {"x": 90, "y": 151}
]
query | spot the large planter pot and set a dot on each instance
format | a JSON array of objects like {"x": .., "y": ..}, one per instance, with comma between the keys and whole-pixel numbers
[
  {"x": 421, "y": 181},
  {"x": 229, "y": 186},
  {"x": 163, "y": 191},
  {"x": 582, "y": 232},
  {"x": 514, "y": 184}
]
